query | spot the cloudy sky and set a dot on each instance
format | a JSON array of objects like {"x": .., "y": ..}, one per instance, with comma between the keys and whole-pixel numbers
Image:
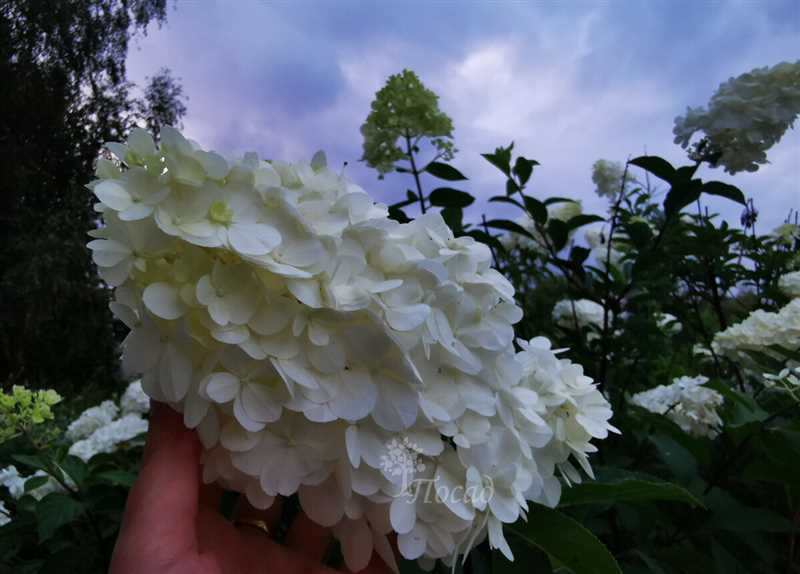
[{"x": 568, "y": 82}]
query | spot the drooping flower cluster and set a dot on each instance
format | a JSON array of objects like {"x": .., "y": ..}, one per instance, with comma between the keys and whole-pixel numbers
[
  {"x": 763, "y": 331},
  {"x": 308, "y": 337},
  {"x": 687, "y": 403},
  {"x": 578, "y": 314},
  {"x": 103, "y": 428},
  {"x": 745, "y": 117}
]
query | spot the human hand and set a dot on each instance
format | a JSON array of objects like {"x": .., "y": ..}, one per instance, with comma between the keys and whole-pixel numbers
[{"x": 172, "y": 523}]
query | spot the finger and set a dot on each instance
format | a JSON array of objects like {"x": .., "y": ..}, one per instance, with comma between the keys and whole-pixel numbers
[
  {"x": 211, "y": 495},
  {"x": 168, "y": 483},
  {"x": 308, "y": 538}
]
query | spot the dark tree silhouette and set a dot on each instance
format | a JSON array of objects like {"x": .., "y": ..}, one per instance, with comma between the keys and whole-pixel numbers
[
  {"x": 63, "y": 92},
  {"x": 162, "y": 104}
]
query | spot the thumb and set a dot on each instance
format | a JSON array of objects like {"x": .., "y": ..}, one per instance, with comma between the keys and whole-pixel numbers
[{"x": 163, "y": 503}]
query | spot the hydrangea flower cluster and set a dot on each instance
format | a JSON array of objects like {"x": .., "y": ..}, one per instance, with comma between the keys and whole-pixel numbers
[
  {"x": 578, "y": 314},
  {"x": 22, "y": 409},
  {"x": 763, "y": 331},
  {"x": 687, "y": 403},
  {"x": 101, "y": 429},
  {"x": 607, "y": 178},
  {"x": 668, "y": 323},
  {"x": 790, "y": 284},
  {"x": 787, "y": 381},
  {"x": 15, "y": 483},
  {"x": 301, "y": 331},
  {"x": 92, "y": 419},
  {"x": 745, "y": 117}
]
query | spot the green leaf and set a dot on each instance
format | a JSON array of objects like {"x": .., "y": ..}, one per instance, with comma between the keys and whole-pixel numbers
[
  {"x": 558, "y": 232},
  {"x": 659, "y": 167},
  {"x": 678, "y": 458},
  {"x": 53, "y": 511},
  {"x": 725, "y": 190},
  {"x": 566, "y": 541},
  {"x": 75, "y": 468},
  {"x": 651, "y": 564},
  {"x": 523, "y": 168},
  {"x": 640, "y": 233},
  {"x": 31, "y": 461},
  {"x": 116, "y": 477},
  {"x": 527, "y": 560},
  {"x": 503, "y": 199},
  {"x": 453, "y": 217},
  {"x": 629, "y": 490},
  {"x": 511, "y": 187},
  {"x": 507, "y": 225},
  {"x": 552, "y": 200},
  {"x": 579, "y": 254},
  {"x": 398, "y": 214},
  {"x": 411, "y": 198},
  {"x": 501, "y": 158},
  {"x": 730, "y": 514},
  {"x": 444, "y": 171},
  {"x": 681, "y": 195},
  {"x": 582, "y": 219},
  {"x": 537, "y": 209},
  {"x": 35, "y": 482},
  {"x": 448, "y": 197}
]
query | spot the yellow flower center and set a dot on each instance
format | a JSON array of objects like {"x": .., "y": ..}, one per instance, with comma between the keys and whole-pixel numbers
[{"x": 221, "y": 213}]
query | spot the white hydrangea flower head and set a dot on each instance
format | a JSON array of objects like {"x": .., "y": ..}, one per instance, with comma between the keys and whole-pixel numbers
[
  {"x": 15, "y": 483},
  {"x": 787, "y": 381},
  {"x": 578, "y": 314},
  {"x": 607, "y": 178},
  {"x": 787, "y": 233},
  {"x": 668, "y": 323},
  {"x": 108, "y": 438},
  {"x": 134, "y": 400},
  {"x": 789, "y": 283},
  {"x": 597, "y": 240},
  {"x": 763, "y": 331},
  {"x": 315, "y": 345},
  {"x": 92, "y": 419},
  {"x": 5, "y": 514},
  {"x": 746, "y": 116},
  {"x": 687, "y": 403}
]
